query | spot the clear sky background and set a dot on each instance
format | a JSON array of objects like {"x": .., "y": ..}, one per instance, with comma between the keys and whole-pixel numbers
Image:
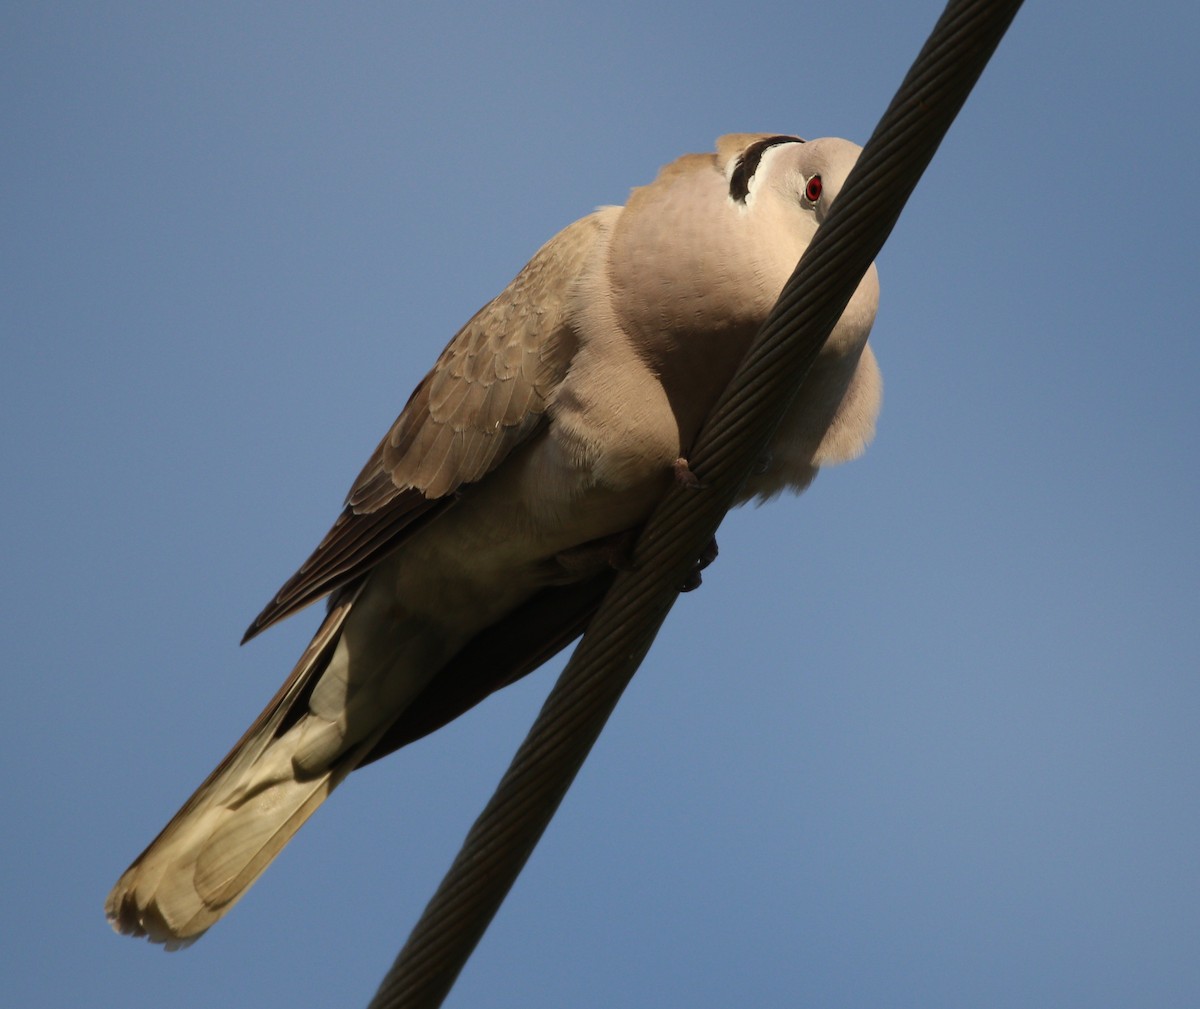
[{"x": 927, "y": 736}]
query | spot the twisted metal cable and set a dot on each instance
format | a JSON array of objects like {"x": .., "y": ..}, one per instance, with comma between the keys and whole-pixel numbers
[{"x": 862, "y": 217}]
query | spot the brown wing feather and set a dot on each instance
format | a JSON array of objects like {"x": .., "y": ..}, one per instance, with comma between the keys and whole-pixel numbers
[
  {"x": 486, "y": 394},
  {"x": 357, "y": 541}
]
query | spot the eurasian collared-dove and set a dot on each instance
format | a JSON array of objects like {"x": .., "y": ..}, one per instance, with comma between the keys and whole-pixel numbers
[{"x": 544, "y": 434}]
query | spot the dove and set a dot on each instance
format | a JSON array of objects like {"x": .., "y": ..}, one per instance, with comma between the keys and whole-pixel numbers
[{"x": 484, "y": 530}]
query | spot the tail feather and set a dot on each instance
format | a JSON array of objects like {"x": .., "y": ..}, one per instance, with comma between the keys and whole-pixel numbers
[
  {"x": 237, "y": 821},
  {"x": 251, "y": 836}
]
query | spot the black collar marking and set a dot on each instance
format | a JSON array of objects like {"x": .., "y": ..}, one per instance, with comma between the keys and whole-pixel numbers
[{"x": 747, "y": 164}]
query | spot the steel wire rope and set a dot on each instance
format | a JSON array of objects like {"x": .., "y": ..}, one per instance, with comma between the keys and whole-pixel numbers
[{"x": 504, "y": 835}]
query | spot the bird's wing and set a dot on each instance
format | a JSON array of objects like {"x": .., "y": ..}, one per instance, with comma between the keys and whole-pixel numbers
[{"x": 486, "y": 394}]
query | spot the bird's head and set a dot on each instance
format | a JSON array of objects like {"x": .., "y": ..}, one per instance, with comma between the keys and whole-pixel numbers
[{"x": 793, "y": 176}]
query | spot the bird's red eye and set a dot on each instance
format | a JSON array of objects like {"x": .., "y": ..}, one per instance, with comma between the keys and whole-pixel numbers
[{"x": 812, "y": 191}]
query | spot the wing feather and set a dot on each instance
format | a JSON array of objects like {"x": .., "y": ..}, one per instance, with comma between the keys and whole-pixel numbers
[{"x": 486, "y": 394}]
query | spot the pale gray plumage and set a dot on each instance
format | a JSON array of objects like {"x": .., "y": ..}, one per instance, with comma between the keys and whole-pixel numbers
[{"x": 547, "y": 429}]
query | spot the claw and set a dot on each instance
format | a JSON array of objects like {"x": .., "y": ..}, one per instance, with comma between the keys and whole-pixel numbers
[
  {"x": 684, "y": 475},
  {"x": 707, "y": 556},
  {"x": 612, "y": 552}
]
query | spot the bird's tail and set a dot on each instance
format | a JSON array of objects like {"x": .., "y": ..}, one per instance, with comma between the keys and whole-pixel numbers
[{"x": 239, "y": 819}]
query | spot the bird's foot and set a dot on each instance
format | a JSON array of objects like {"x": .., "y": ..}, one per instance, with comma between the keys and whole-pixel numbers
[
  {"x": 684, "y": 475},
  {"x": 613, "y": 553},
  {"x": 707, "y": 556}
]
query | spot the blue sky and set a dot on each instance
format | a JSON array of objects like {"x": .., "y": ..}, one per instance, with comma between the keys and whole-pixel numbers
[{"x": 927, "y": 735}]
